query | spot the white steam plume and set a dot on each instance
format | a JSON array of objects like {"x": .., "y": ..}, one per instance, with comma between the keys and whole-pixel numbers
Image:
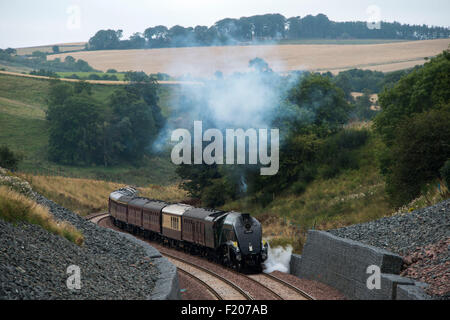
[{"x": 278, "y": 259}]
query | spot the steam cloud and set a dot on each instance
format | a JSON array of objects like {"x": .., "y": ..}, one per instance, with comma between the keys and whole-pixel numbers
[
  {"x": 278, "y": 259},
  {"x": 249, "y": 99}
]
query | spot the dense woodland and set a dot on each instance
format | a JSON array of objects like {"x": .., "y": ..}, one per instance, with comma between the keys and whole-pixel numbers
[{"x": 268, "y": 27}]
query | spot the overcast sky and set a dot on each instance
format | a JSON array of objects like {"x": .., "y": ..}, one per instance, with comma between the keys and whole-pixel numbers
[{"x": 28, "y": 22}]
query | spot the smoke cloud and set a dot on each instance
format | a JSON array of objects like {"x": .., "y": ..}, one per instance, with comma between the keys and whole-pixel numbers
[{"x": 248, "y": 99}]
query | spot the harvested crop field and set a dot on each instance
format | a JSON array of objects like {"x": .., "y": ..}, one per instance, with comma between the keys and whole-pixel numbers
[
  {"x": 49, "y": 48},
  {"x": 204, "y": 61}
]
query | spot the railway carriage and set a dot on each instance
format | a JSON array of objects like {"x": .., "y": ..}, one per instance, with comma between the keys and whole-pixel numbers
[
  {"x": 134, "y": 219},
  {"x": 201, "y": 229},
  {"x": 172, "y": 222},
  {"x": 231, "y": 238},
  {"x": 118, "y": 204},
  {"x": 151, "y": 217}
]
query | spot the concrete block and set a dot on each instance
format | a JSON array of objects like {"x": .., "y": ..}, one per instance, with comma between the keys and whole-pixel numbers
[
  {"x": 406, "y": 292},
  {"x": 342, "y": 264}
]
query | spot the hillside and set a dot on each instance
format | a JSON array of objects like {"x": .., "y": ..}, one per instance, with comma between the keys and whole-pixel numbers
[{"x": 24, "y": 129}]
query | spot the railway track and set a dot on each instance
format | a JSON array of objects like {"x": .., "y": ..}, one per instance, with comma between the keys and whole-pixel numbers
[
  {"x": 221, "y": 288},
  {"x": 97, "y": 217},
  {"x": 211, "y": 290},
  {"x": 285, "y": 290}
]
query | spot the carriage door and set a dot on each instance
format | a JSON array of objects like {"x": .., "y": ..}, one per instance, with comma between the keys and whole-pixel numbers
[{"x": 200, "y": 233}]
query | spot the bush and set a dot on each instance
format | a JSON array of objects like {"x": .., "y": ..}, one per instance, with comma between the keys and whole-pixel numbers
[
  {"x": 418, "y": 155},
  {"x": 445, "y": 173},
  {"x": 299, "y": 187},
  {"x": 94, "y": 76},
  {"x": 214, "y": 196},
  {"x": 337, "y": 153},
  {"x": 73, "y": 76},
  {"x": 8, "y": 159}
]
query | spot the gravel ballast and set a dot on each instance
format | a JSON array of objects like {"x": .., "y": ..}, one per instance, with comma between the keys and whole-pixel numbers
[
  {"x": 34, "y": 262},
  {"x": 402, "y": 233}
]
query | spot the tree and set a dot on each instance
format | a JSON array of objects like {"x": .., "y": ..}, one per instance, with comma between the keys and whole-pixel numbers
[
  {"x": 39, "y": 55},
  {"x": 8, "y": 159},
  {"x": 197, "y": 177},
  {"x": 105, "y": 39},
  {"x": 421, "y": 149},
  {"x": 74, "y": 131},
  {"x": 157, "y": 37},
  {"x": 137, "y": 41},
  {"x": 259, "y": 65},
  {"x": 10, "y": 51},
  {"x": 421, "y": 90},
  {"x": 323, "y": 100},
  {"x": 55, "y": 49}
]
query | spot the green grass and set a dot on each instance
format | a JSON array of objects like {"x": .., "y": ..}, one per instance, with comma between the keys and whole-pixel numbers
[
  {"x": 26, "y": 90},
  {"x": 23, "y": 127},
  {"x": 85, "y": 75}
]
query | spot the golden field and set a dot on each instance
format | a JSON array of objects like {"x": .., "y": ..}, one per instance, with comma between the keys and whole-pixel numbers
[
  {"x": 49, "y": 48},
  {"x": 204, "y": 61}
]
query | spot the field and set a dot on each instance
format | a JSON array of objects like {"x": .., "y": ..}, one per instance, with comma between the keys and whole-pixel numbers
[
  {"x": 63, "y": 47},
  {"x": 85, "y": 75},
  {"x": 205, "y": 61}
]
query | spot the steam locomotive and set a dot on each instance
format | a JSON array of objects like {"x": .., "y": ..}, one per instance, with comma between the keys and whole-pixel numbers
[{"x": 230, "y": 238}]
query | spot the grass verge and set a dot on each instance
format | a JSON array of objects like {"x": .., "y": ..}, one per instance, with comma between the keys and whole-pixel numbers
[
  {"x": 15, "y": 207},
  {"x": 85, "y": 196}
]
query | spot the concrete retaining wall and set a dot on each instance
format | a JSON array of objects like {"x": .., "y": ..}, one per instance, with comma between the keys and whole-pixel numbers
[
  {"x": 342, "y": 264},
  {"x": 167, "y": 286}
]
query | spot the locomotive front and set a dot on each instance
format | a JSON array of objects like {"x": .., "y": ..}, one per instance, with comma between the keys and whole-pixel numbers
[{"x": 248, "y": 248}]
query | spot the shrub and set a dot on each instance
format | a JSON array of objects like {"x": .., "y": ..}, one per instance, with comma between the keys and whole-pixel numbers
[
  {"x": 445, "y": 173},
  {"x": 420, "y": 151},
  {"x": 299, "y": 187},
  {"x": 94, "y": 76},
  {"x": 8, "y": 159},
  {"x": 214, "y": 195}
]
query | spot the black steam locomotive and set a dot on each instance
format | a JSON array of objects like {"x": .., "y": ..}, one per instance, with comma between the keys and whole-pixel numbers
[{"x": 231, "y": 238}]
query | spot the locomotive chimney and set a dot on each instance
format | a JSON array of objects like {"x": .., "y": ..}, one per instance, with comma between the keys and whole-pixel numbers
[{"x": 246, "y": 220}]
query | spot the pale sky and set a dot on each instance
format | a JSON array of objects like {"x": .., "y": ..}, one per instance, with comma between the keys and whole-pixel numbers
[{"x": 26, "y": 23}]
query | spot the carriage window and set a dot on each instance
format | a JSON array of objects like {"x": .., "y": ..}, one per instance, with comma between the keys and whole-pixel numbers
[{"x": 174, "y": 223}]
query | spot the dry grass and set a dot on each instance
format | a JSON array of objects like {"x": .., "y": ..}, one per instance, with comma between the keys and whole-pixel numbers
[
  {"x": 85, "y": 196},
  {"x": 204, "y": 61},
  {"x": 15, "y": 207},
  {"x": 282, "y": 232}
]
